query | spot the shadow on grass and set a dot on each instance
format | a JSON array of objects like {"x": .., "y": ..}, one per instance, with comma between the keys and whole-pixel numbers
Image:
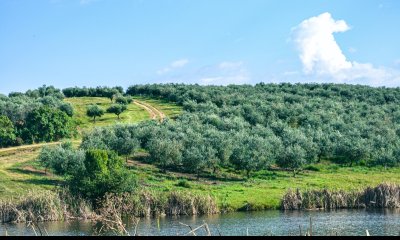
[
  {"x": 49, "y": 182},
  {"x": 28, "y": 172}
]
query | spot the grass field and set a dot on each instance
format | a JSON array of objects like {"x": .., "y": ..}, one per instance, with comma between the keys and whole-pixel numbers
[
  {"x": 169, "y": 109},
  {"x": 20, "y": 173},
  {"x": 266, "y": 189},
  {"x": 133, "y": 114}
]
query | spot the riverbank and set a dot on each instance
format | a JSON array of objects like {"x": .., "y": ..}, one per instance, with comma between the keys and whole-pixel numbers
[
  {"x": 353, "y": 222},
  {"x": 43, "y": 206},
  {"x": 61, "y": 205},
  {"x": 20, "y": 174},
  {"x": 385, "y": 195}
]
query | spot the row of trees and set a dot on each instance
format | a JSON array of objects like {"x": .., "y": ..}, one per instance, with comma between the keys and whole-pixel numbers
[{"x": 93, "y": 92}]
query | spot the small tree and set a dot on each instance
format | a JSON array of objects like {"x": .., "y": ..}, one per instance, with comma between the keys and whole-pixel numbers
[
  {"x": 123, "y": 142},
  {"x": 121, "y": 100},
  {"x": 292, "y": 157},
  {"x": 63, "y": 160},
  {"x": 94, "y": 111},
  {"x": 165, "y": 152},
  {"x": 251, "y": 154},
  {"x": 117, "y": 109},
  {"x": 67, "y": 108}
]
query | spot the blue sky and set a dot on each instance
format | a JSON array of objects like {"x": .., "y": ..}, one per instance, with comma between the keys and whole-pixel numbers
[{"x": 123, "y": 42}]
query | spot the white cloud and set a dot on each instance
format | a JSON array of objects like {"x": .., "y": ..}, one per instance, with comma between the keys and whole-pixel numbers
[
  {"x": 321, "y": 55},
  {"x": 318, "y": 49},
  {"x": 174, "y": 65}
]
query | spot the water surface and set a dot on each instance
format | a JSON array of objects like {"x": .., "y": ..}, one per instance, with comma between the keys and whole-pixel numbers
[{"x": 341, "y": 222}]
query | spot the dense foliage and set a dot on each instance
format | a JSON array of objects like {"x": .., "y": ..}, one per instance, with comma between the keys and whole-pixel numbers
[
  {"x": 35, "y": 116},
  {"x": 248, "y": 128},
  {"x": 7, "y": 135},
  {"x": 90, "y": 173},
  {"x": 93, "y": 92},
  {"x": 103, "y": 172},
  {"x": 63, "y": 159},
  {"x": 285, "y": 124}
]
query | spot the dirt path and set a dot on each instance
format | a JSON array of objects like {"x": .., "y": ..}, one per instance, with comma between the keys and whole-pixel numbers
[
  {"x": 32, "y": 146},
  {"x": 154, "y": 112}
]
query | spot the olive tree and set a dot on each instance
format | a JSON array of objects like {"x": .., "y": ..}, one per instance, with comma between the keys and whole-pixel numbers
[
  {"x": 94, "y": 111},
  {"x": 117, "y": 109}
]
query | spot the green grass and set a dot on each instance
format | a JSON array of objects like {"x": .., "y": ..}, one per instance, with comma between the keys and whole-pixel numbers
[
  {"x": 20, "y": 173},
  {"x": 171, "y": 110},
  {"x": 133, "y": 114},
  {"x": 266, "y": 189}
]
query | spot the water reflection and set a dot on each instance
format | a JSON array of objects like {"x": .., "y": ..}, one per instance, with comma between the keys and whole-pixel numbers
[{"x": 340, "y": 222}]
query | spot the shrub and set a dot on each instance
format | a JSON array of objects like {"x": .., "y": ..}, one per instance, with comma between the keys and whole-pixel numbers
[
  {"x": 183, "y": 183},
  {"x": 104, "y": 173}
]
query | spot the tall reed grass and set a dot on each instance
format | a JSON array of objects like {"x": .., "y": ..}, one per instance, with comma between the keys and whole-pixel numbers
[
  {"x": 385, "y": 195},
  {"x": 61, "y": 205}
]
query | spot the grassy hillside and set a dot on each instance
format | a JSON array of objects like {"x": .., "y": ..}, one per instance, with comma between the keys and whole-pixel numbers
[
  {"x": 19, "y": 173},
  {"x": 132, "y": 115},
  {"x": 171, "y": 110}
]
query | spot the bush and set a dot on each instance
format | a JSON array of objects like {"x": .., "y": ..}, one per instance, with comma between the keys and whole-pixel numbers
[
  {"x": 63, "y": 160},
  {"x": 183, "y": 183},
  {"x": 312, "y": 168},
  {"x": 104, "y": 173}
]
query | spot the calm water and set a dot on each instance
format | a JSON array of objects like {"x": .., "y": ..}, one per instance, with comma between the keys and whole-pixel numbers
[{"x": 343, "y": 222}]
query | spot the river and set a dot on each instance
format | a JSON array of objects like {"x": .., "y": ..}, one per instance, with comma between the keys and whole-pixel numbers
[{"x": 340, "y": 222}]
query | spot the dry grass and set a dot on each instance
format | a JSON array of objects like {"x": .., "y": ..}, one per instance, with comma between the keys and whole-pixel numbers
[{"x": 385, "y": 195}]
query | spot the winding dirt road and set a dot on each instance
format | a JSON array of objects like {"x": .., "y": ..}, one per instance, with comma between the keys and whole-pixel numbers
[{"x": 154, "y": 112}]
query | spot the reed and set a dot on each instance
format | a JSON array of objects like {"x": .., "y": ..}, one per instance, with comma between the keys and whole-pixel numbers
[
  {"x": 44, "y": 206},
  {"x": 385, "y": 195},
  {"x": 62, "y": 205},
  {"x": 149, "y": 203}
]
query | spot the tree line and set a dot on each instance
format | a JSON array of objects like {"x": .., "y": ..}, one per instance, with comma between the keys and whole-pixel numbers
[{"x": 35, "y": 116}]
